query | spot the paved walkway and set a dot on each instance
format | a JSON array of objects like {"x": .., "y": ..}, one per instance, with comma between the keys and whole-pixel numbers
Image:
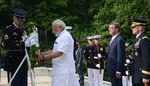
[{"x": 43, "y": 78}]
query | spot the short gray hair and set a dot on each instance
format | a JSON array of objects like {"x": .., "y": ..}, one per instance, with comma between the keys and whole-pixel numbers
[
  {"x": 116, "y": 24},
  {"x": 60, "y": 22}
]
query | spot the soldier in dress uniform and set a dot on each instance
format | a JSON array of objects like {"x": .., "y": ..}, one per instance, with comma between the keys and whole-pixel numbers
[
  {"x": 88, "y": 54},
  {"x": 127, "y": 76},
  {"x": 99, "y": 57},
  {"x": 13, "y": 42},
  {"x": 140, "y": 54}
]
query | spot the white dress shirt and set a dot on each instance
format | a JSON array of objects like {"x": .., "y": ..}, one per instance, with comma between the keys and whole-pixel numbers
[{"x": 113, "y": 38}]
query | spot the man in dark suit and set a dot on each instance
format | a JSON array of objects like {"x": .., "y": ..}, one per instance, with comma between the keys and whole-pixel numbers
[
  {"x": 13, "y": 42},
  {"x": 116, "y": 55},
  {"x": 140, "y": 54},
  {"x": 79, "y": 64}
]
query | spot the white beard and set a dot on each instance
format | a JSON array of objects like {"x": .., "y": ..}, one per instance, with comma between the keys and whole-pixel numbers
[{"x": 57, "y": 34}]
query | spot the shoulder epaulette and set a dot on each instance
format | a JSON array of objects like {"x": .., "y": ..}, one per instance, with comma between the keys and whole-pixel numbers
[
  {"x": 146, "y": 72},
  {"x": 145, "y": 37}
]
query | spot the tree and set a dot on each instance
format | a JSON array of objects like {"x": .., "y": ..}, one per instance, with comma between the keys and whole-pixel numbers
[{"x": 121, "y": 11}]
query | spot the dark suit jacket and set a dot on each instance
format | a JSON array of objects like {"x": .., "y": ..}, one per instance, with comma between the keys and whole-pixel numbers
[
  {"x": 116, "y": 56},
  {"x": 141, "y": 58},
  {"x": 79, "y": 56}
]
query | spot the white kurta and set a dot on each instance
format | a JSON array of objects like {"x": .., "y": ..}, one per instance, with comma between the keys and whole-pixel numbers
[{"x": 63, "y": 73}]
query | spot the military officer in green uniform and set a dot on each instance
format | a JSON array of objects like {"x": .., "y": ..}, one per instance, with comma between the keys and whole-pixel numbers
[
  {"x": 13, "y": 42},
  {"x": 141, "y": 54}
]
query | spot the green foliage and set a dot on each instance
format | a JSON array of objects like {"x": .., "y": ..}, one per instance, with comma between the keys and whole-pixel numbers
[
  {"x": 3, "y": 52},
  {"x": 32, "y": 55},
  {"x": 121, "y": 11}
]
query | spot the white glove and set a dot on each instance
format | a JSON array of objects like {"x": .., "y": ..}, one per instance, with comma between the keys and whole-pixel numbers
[
  {"x": 95, "y": 57},
  {"x": 97, "y": 65},
  {"x": 32, "y": 40},
  {"x": 127, "y": 61},
  {"x": 127, "y": 73},
  {"x": 99, "y": 55}
]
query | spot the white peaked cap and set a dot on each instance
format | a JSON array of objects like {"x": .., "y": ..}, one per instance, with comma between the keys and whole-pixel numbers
[
  {"x": 68, "y": 28},
  {"x": 89, "y": 37},
  {"x": 96, "y": 36}
]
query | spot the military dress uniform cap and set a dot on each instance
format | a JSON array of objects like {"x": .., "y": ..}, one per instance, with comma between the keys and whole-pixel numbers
[
  {"x": 19, "y": 12},
  {"x": 137, "y": 22},
  {"x": 68, "y": 28},
  {"x": 90, "y": 37},
  {"x": 97, "y": 37}
]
